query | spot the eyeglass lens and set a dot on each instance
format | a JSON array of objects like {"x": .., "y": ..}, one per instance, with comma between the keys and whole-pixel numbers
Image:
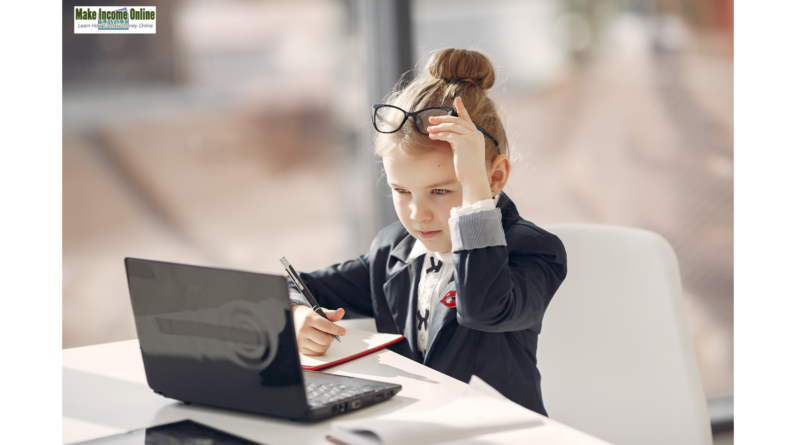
[
  {"x": 387, "y": 119},
  {"x": 422, "y": 120}
]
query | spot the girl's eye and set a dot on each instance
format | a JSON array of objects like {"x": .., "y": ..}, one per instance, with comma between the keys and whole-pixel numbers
[
  {"x": 401, "y": 191},
  {"x": 440, "y": 191}
]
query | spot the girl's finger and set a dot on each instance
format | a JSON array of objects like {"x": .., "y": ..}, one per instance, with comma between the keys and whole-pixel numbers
[
  {"x": 445, "y": 136},
  {"x": 319, "y": 337},
  {"x": 445, "y": 118},
  {"x": 312, "y": 348},
  {"x": 453, "y": 128},
  {"x": 461, "y": 110},
  {"x": 451, "y": 119},
  {"x": 325, "y": 325}
]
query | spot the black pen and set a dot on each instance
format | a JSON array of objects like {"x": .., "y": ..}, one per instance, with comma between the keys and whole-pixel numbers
[{"x": 304, "y": 290}]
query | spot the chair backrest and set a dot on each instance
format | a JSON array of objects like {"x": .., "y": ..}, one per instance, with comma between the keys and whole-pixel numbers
[{"x": 615, "y": 353}]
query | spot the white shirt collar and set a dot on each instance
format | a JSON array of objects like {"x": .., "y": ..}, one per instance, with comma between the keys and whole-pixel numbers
[{"x": 419, "y": 249}]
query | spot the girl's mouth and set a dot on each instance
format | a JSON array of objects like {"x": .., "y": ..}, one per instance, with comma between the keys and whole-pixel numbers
[{"x": 429, "y": 234}]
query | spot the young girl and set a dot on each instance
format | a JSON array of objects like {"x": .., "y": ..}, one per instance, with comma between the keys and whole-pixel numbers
[{"x": 463, "y": 277}]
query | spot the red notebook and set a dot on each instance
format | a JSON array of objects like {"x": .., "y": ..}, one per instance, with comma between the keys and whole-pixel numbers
[{"x": 355, "y": 343}]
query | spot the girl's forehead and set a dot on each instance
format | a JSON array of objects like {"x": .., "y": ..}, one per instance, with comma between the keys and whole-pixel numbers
[
  {"x": 434, "y": 159},
  {"x": 419, "y": 167},
  {"x": 418, "y": 158}
]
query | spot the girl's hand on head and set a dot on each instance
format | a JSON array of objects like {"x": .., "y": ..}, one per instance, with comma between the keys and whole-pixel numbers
[
  {"x": 469, "y": 154},
  {"x": 313, "y": 332}
]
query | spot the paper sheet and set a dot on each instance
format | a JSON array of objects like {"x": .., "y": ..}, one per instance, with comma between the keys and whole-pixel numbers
[{"x": 480, "y": 410}]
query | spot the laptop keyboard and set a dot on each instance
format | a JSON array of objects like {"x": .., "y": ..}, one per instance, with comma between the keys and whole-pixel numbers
[{"x": 324, "y": 394}]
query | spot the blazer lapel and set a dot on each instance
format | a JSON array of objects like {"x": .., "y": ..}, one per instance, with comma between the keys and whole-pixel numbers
[
  {"x": 399, "y": 288},
  {"x": 443, "y": 316}
]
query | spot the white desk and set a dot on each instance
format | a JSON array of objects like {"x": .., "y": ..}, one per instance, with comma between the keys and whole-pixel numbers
[{"x": 105, "y": 392}]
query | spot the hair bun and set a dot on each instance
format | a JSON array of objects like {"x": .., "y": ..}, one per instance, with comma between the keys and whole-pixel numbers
[{"x": 461, "y": 65}]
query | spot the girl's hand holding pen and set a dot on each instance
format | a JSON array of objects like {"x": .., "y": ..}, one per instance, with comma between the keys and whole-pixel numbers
[
  {"x": 313, "y": 332},
  {"x": 468, "y": 146}
]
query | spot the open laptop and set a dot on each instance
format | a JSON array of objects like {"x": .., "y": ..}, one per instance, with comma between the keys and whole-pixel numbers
[{"x": 225, "y": 338}]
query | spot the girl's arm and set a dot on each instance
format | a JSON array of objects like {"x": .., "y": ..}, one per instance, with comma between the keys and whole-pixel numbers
[
  {"x": 498, "y": 291},
  {"x": 469, "y": 152},
  {"x": 345, "y": 285}
]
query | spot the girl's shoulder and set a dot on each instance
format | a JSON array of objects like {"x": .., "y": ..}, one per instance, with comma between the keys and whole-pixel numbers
[{"x": 525, "y": 237}]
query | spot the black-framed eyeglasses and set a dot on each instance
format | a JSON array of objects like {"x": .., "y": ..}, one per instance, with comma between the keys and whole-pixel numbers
[{"x": 389, "y": 119}]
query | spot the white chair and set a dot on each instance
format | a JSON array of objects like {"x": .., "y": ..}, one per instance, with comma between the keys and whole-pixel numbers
[{"x": 615, "y": 353}]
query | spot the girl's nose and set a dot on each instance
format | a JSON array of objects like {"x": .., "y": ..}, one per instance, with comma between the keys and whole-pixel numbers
[{"x": 420, "y": 213}]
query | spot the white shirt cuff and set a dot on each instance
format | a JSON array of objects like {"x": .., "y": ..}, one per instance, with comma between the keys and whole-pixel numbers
[{"x": 487, "y": 204}]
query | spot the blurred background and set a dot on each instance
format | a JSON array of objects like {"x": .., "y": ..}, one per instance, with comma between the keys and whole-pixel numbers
[{"x": 240, "y": 133}]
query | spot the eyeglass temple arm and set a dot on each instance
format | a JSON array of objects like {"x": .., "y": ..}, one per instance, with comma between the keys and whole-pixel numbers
[{"x": 488, "y": 134}]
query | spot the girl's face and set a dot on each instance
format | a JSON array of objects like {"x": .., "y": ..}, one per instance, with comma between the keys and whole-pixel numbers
[{"x": 424, "y": 189}]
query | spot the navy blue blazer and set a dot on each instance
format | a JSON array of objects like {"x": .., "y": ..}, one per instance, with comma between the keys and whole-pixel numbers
[{"x": 502, "y": 293}]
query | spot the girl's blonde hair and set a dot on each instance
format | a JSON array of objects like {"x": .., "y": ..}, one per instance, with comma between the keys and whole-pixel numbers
[{"x": 449, "y": 73}]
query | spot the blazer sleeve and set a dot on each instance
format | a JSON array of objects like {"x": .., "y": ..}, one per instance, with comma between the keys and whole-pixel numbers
[
  {"x": 504, "y": 282},
  {"x": 345, "y": 285}
]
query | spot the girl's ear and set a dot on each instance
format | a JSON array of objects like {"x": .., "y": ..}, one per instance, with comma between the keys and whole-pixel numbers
[{"x": 498, "y": 172}]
